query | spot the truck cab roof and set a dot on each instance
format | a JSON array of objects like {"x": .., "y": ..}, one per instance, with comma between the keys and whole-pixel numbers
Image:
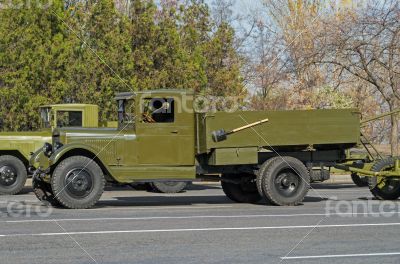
[{"x": 68, "y": 106}]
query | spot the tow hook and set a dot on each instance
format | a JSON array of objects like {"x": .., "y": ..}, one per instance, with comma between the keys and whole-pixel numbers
[{"x": 39, "y": 174}]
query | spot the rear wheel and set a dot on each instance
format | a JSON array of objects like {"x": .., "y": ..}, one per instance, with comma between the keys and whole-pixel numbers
[
  {"x": 260, "y": 174},
  {"x": 77, "y": 182},
  {"x": 169, "y": 186},
  {"x": 244, "y": 191},
  {"x": 13, "y": 175},
  {"x": 359, "y": 181},
  {"x": 384, "y": 188},
  {"x": 285, "y": 181}
]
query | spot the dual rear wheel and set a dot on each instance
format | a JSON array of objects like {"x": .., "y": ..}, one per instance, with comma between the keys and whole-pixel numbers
[
  {"x": 280, "y": 180},
  {"x": 283, "y": 181}
]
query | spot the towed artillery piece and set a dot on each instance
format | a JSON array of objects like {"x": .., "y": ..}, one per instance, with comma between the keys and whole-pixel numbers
[
  {"x": 381, "y": 174},
  {"x": 168, "y": 141}
]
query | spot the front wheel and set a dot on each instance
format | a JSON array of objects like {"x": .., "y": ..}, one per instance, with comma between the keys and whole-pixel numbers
[
  {"x": 13, "y": 175},
  {"x": 78, "y": 182}
]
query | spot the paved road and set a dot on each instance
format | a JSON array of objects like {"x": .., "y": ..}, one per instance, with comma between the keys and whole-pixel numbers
[{"x": 336, "y": 224}]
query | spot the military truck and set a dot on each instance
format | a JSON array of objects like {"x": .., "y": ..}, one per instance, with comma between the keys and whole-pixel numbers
[
  {"x": 255, "y": 154},
  {"x": 16, "y": 147}
]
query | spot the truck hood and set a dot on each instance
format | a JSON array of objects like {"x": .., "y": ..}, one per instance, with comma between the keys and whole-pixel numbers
[
  {"x": 25, "y": 134},
  {"x": 72, "y": 134}
]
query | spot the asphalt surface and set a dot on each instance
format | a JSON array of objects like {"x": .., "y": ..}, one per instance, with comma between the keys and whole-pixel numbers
[{"x": 336, "y": 224}]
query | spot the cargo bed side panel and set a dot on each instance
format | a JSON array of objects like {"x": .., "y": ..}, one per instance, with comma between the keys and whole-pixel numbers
[{"x": 323, "y": 129}]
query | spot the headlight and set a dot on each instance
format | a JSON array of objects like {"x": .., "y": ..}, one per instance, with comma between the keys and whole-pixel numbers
[{"x": 47, "y": 149}]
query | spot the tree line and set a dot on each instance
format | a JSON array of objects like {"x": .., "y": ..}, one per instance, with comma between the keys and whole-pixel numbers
[
  {"x": 327, "y": 54},
  {"x": 86, "y": 51}
]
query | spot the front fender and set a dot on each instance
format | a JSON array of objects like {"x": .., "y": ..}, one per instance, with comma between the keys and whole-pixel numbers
[{"x": 59, "y": 153}]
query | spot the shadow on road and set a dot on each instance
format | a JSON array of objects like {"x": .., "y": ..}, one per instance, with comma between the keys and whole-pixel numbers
[
  {"x": 333, "y": 186},
  {"x": 165, "y": 200}
]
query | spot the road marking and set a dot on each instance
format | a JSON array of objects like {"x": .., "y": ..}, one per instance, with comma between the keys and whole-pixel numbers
[
  {"x": 192, "y": 217},
  {"x": 177, "y": 207},
  {"x": 194, "y": 230},
  {"x": 342, "y": 256}
]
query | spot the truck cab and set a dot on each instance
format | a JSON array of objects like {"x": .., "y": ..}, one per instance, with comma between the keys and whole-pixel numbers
[{"x": 68, "y": 115}]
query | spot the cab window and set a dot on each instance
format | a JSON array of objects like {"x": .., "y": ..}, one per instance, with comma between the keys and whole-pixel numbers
[
  {"x": 69, "y": 118},
  {"x": 158, "y": 110}
]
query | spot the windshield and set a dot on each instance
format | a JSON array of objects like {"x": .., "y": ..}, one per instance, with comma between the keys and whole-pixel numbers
[{"x": 45, "y": 117}]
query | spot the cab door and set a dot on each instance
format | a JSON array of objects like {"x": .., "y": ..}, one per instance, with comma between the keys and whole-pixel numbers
[{"x": 165, "y": 133}]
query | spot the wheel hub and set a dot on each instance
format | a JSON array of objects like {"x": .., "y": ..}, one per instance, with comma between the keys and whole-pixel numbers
[
  {"x": 287, "y": 183},
  {"x": 8, "y": 175},
  {"x": 78, "y": 182}
]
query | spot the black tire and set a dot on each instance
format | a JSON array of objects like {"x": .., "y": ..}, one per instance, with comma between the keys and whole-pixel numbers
[
  {"x": 78, "y": 182},
  {"x": 391, "y": 190},
  {"x": 169, "y": 186},
  {"x": 285, "y": 181},
  {"x": 142, "y": 186},
  {"x": 13, "y": 175},
  {"x": 359, "y": 181},
  {"x": 44, "y": 193},
  {"x": 260, "y": 173},
  {"x": 243, "y": 192}
]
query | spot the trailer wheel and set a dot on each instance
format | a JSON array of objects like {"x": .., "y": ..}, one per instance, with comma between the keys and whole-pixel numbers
[
  {"x": 359, "y": 181},
  {"x": 391, "y": 188},
  {"x": 13, "y": 175},
  {"x": 285, "y": 181},
  {"x": 169, "y": 186},
  {"x": 44, "y": 193},
  {"x": 77, "y": 182},
  {"x": 244, "y": 191}
]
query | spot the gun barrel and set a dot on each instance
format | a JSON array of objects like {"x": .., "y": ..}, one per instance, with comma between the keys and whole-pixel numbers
[{"x": 364, "y": 122}]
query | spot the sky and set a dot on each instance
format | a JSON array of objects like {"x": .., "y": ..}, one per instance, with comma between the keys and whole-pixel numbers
[{"x": 242, "y": 7}]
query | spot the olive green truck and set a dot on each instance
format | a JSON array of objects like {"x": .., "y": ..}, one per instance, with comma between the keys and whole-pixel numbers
[{"x": 255, "y": 154}]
